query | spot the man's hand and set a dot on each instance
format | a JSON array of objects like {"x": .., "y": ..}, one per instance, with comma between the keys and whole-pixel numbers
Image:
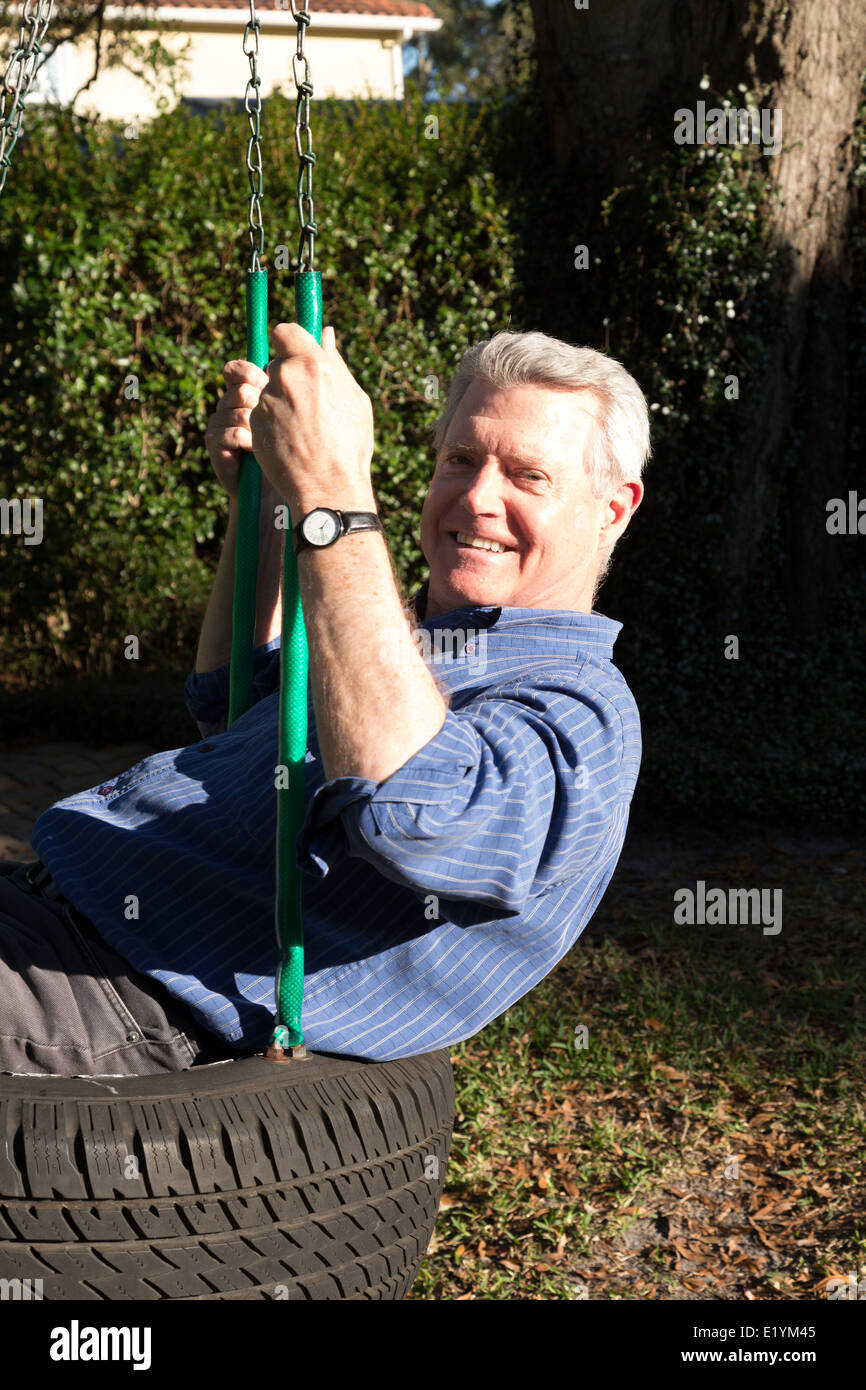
[
  {"x": 228, "y": 429},
  {"x": 312, "y": 429},
  {"x": 227, "y": 436}
]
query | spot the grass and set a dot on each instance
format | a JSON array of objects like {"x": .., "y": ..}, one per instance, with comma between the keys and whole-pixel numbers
[{"x": 707, "y": 1142}]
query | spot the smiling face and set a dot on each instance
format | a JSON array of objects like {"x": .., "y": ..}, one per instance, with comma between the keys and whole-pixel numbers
[{"x": 510, "y": 470}]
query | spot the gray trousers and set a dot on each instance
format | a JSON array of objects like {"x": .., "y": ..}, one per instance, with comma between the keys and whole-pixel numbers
[{"x": 71, "y": 1006}]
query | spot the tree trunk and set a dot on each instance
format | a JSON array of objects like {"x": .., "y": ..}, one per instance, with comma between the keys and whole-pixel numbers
[{"x": 611, "y": 78}]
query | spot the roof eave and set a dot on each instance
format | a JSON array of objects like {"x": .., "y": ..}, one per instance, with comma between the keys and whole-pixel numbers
[{"x": 403, "y": 26}]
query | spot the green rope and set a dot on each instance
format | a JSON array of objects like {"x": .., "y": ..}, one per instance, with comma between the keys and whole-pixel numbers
[
  {"x": 294, "y": 659},
  {"x": 294, "y": 668},
  {"x": 291, "y": 798}
]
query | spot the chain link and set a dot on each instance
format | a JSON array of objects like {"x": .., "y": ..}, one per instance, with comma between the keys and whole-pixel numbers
[
  {"x": 35, "y": 15},
  {"x": 304, "y": 144},
  {"x": 253, "y": 108},
  {"x": 303, "y": 141}
]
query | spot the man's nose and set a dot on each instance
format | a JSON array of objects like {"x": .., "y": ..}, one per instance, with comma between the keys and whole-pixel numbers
[{"x": 483, "y": 492}]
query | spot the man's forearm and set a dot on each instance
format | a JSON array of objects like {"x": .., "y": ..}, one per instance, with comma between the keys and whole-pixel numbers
[
  {"x": 215, "y": 641},
  {"x": 376, "y": 702}
]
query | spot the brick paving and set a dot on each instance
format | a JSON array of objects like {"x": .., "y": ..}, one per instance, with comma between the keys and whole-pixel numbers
[{"x": 32, "y": 778}]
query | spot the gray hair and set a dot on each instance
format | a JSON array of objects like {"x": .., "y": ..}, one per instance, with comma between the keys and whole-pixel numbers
[{"x": 619, "y": 444}]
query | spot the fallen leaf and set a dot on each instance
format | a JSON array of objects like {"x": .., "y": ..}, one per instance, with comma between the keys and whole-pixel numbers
[
  {"x": 671, "y": 1072},
  {"x": 696, "y": 1256}
]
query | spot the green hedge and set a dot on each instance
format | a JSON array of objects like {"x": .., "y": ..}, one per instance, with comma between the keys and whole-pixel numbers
[{"x": 128, "y": 257}]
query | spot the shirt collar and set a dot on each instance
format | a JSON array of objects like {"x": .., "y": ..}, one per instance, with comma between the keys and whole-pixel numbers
[{"x": 595, "y": 626}]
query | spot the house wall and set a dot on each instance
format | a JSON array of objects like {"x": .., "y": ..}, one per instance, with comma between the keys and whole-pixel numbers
[{"x": 341, "y": 65}]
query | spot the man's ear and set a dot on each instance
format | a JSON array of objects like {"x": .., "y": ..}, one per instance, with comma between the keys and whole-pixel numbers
[{"x": 623, "y": 506}]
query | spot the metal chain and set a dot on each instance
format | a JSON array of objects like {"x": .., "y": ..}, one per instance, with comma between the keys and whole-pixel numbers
[
  {"x": 35, "y": 15},
  {"x": 254, "y": 145},
  {"x": 304, "y": 145}
]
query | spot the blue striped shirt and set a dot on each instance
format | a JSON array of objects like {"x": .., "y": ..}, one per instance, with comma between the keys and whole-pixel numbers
[{"x": 432, "y": 900}]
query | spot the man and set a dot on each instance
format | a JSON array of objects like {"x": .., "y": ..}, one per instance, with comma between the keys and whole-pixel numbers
[{"x": 467, "y": 794}]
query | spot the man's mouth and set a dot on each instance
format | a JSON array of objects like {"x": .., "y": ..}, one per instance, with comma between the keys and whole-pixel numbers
[{"x": 464, "y": 541}]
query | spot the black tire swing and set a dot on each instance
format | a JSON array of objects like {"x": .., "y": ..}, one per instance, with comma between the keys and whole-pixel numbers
[
  {"x": 238, "y": 1179},
  {"x": 288, "y": 1175}
]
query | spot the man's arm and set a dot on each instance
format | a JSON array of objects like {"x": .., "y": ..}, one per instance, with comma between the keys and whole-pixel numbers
[
  {"x": 215, "y": 640},
  {"x": 227, "y": 437},
  {"x": 376, "y": 702},
  {"x": 492, "y": 811}
]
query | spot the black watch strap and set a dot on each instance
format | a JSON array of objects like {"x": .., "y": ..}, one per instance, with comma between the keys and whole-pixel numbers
[
  {"x": 360, "y": 521},
  {"x": 350, "y": 523}
]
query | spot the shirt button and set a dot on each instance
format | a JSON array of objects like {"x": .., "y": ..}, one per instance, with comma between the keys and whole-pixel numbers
[
  {"x": 205, "y": 747},
  {"x": 133, "y": 1037}
]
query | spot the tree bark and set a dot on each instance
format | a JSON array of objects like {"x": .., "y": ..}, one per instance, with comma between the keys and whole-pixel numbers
[{"x": 611, "y": 78}]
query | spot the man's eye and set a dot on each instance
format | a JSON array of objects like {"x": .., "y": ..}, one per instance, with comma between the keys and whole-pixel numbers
[{"x": 529, "y": 473}]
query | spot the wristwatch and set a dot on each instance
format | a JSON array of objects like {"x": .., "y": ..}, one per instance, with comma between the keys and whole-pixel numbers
[{"x": 322, "y": 527}]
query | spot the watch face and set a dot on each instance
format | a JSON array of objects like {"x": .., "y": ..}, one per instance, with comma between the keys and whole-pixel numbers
[{"x": 321, "y": 527}]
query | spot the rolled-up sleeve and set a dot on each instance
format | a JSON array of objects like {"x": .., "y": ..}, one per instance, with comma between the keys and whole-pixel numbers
[
  {"x": 206, "y": 693},
  {"x": 513, "y": 795}
]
